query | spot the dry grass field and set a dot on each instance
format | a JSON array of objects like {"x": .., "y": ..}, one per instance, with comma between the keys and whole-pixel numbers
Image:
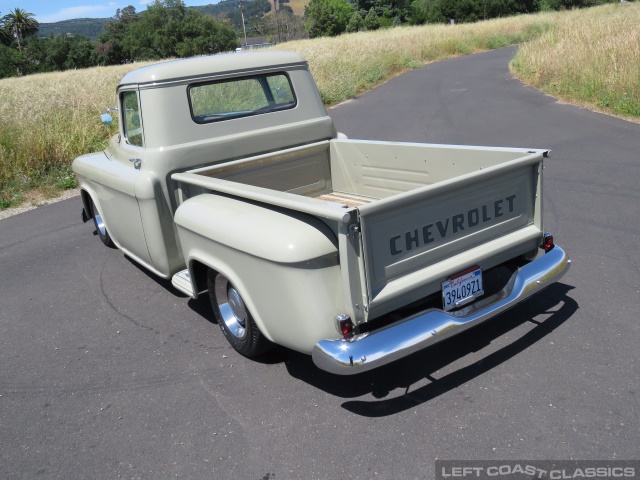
[
  {"x": 589, "y": 56},
  {"x": 46, "y": 121}
]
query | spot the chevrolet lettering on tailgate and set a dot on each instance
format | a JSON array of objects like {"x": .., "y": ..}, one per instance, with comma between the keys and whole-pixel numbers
[{"x": 442, "y": 228}]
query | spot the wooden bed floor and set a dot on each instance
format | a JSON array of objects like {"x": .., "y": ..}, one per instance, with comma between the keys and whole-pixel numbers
[{"x": 345, "y": 198}]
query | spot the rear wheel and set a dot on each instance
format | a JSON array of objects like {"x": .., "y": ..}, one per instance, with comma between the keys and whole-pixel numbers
[
  {"x": 234, "y": 318},
  {"x": 98, "y": 222}
]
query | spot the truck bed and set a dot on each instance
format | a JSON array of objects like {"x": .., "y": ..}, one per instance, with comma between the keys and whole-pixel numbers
[
  {"x": 359, "y": 171},
  {"x": 424, "y": 212}
]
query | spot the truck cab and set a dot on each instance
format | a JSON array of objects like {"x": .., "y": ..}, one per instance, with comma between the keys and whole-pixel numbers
[{"x": 166, "y": 126}]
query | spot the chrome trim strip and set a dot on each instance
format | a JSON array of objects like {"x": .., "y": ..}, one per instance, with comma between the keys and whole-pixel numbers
[{"x": 371, "y": 350}]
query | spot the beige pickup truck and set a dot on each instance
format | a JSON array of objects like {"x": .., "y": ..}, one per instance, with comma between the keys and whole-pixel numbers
[{"x": 228, "y": 177}]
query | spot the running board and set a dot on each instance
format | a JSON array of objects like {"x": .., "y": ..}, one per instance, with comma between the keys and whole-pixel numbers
[{"x": 182, "y": 281}]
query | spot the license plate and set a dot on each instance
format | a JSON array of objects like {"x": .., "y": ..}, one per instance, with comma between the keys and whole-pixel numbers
[{"x": 462, "y": 288}]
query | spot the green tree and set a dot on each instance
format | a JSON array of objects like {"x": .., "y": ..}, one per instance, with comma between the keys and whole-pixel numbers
[
  {"x": 34, "y": 52},
  {"x": 127, "y": 15},
  {"x": 20, "y": 24},
  {"x": 503, "y": 8},
  {"x": 81, "y": 53},
  {"x": 169, "y": 29},
  {"x": 56, "y": 52},
  {"x": 12, "y": 62},
  {"x": 328, "y": 17},
  {"x": 5, "y": 36},
  {"x": 429, "y": 11},
  {"x": 355, "y": 23},
  {"x": 426, "y": 11},
  {"x": 371, "y": 21},
  {"x": 461, "y": 10},
  {"x": 110, "y": 45},
  {"x": 202, "y": 35}
]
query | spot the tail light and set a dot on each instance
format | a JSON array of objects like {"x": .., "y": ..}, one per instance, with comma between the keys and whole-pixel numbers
[
  {"x": 345, "y": 325},
  {"x": 547, "y": 242}
]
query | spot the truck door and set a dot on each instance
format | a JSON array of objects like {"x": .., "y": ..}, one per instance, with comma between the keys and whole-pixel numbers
[{"x": 119, "y": 203}]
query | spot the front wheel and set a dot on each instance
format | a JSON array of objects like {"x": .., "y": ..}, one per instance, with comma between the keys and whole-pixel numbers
[
  {"x": 234, "y": 318},
  {"x": 98, "y": 222}
]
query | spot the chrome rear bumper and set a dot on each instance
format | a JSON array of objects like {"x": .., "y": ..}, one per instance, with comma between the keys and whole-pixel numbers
[{"x": 371, "y": 350}]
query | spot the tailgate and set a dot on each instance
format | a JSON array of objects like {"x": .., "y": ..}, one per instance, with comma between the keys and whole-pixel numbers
[{"x": 414, "y": 240}]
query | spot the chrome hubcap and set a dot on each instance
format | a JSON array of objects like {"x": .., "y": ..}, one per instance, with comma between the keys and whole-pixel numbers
[
  {"x": 231, "y": 306},
  {"x": 99, "y": 223}
]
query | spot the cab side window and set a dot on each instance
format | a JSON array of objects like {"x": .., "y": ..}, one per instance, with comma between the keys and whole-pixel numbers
[{"x": 131, "y": 118}]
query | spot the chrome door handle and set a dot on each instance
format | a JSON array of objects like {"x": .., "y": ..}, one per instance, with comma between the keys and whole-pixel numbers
[{"x": 136, "y": 163}]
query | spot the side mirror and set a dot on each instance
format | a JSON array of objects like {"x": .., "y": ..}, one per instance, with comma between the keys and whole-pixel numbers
[{"x": 106, "y": 119}]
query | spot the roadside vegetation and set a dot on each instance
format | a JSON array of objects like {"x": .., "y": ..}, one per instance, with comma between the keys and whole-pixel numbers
[
  {"x": 591, "y": 55},
  {"x": 47, "y": 120}
]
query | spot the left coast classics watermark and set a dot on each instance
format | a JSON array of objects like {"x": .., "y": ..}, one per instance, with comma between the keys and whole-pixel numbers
[{"x": 537, "y": 469}]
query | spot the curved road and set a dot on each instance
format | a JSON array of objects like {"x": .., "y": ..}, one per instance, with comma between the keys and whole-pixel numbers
[{"x": 107, "y": 372}]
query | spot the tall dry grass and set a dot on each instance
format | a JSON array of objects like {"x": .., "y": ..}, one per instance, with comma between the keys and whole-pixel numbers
[
  {"x": 590, "y": 57},
  {"x": 46, "y": 121}
]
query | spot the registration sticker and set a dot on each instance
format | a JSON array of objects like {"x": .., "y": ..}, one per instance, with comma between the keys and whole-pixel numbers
[{"x": 462, "y": 288}]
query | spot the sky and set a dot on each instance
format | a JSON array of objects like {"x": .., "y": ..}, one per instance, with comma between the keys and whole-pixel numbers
[{"x": 49, "y": 11}]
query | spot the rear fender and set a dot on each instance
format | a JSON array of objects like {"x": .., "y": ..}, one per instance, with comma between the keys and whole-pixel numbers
[
  {"x": 284, "y": 264},
  {"x": 276, "y": 235}
]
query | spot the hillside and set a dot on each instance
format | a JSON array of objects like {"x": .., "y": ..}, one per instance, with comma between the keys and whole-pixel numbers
[
  {"x": 92, "y": 27},
  {"x": 87, "y": 27}
]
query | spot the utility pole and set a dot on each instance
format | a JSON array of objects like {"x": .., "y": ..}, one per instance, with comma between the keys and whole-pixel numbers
[
  {"x": 277, "y": 23},
  {"x": 244, "y": 28}
]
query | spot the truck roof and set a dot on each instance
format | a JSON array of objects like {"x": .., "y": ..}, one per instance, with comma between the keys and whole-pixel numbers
[{"x": 211, "y": 65}]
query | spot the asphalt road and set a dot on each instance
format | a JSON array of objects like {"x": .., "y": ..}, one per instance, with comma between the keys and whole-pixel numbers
[{"x": 108, "y": 372}]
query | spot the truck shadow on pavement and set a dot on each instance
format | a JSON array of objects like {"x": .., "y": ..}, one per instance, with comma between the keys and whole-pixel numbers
[
  {"x": 162, "y": 282},
  {"x": 404, "y": 373}
]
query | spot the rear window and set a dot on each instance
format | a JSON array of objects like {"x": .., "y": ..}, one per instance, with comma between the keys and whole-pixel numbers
[{"x": 240, "y": 97}]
